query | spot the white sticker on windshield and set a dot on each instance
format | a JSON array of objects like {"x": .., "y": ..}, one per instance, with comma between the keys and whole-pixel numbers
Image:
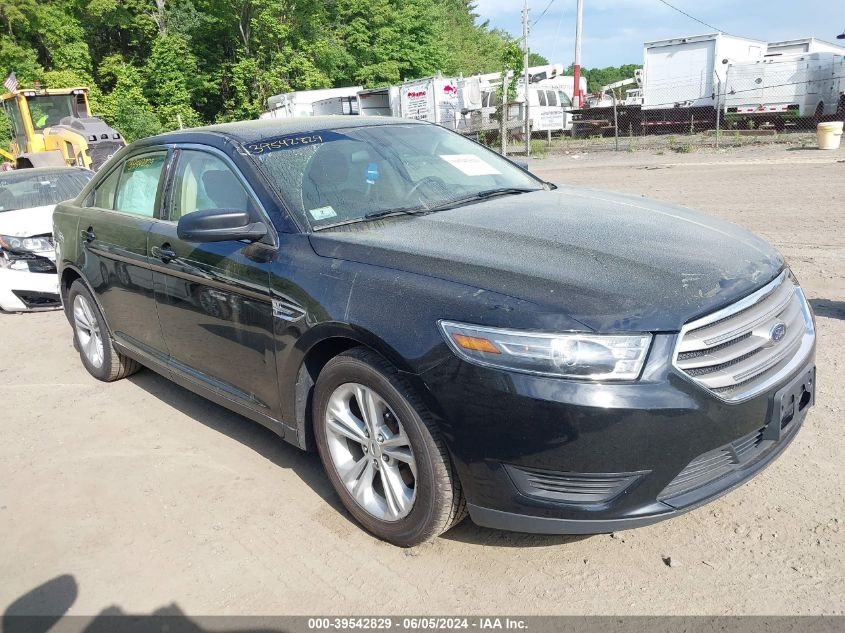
[
  {"x": 322, "y": 213},
  {"x": 470, "y": 164}
]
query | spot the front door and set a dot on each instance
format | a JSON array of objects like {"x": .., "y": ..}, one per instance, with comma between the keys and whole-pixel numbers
[
  {"x": 214, "y": 299},
  {"x": 113, "y": 229}
]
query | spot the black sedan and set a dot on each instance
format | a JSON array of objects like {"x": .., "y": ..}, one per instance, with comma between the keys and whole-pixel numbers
[{"x": 449, "y": 332}]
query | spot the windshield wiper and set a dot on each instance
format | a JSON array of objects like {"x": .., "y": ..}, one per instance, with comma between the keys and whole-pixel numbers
[
  {"x": 480, "y": 195},
  {"x": 372, "y": 215},
  {"x": 449, "y": 204}
]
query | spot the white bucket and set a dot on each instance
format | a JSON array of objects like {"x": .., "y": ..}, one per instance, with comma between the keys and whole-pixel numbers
[{"x": 830, "y": 134}]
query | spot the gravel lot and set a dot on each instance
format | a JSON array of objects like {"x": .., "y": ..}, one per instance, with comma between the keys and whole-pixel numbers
[{"x": 151, "y": 497}]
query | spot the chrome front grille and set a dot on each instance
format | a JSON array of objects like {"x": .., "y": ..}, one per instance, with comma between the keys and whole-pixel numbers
[{"x": 748, "y": 346}]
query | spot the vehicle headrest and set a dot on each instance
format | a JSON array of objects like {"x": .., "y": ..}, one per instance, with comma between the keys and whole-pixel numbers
[
  {"x": 224, "y": 189},
  {"x": 328, "y": 167}
]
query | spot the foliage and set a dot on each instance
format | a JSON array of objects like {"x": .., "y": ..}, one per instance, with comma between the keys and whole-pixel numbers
[
  {"x": 151, "y": 63},
  {"x": 512, "y": 60},
  {"x": 539, "y": 148},
  {"x": 125, "y": 107},
  {"x": 598, "y": 77},
  {"x": 5, "y": 131}
]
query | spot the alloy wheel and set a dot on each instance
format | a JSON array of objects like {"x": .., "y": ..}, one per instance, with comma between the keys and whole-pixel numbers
[
  {"x": 88, "y": 331},
  {"x": 371, "y": 452}
]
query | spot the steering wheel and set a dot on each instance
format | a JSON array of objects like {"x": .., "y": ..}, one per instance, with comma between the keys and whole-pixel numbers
[{"x": 433, "y": 181}]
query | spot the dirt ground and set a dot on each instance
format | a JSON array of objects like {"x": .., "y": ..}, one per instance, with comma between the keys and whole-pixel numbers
[{"x": 149, "y": 496}]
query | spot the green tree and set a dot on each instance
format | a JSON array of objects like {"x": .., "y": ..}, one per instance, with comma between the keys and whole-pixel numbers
[
  {"x": 126, "y": 108},
  {"x": 170, "y": 79},
  {"x": 20, "y": 59},
  {"x": 150, "y": 63}
]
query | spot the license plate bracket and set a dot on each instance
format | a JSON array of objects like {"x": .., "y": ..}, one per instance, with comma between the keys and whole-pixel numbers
[{"x": 791, "y": 403}]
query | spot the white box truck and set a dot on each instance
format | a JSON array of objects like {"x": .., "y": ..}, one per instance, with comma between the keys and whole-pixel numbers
[
  {"x": 433, "y": 99},
  {"x": 782, "y": 90},
  {"x": 335, "y": 106},
  {"x": 379, "y": 102},
  {"x": 301, "y": 102},
  {"x": 803, "y": 45},
  {"x": 681, "y": 76}
]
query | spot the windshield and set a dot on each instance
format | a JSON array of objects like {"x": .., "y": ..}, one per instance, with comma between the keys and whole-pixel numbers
[
  {"x": 354, "y": 174},
  {"x": 47, "y": 110},
  {"x": 27, "y": 188}
]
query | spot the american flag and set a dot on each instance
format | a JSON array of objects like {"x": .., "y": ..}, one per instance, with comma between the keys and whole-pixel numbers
[{"x": 11, "y": 82}]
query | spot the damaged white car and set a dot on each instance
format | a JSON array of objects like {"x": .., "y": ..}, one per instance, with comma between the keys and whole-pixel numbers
[{"x": 28, "y": 280}]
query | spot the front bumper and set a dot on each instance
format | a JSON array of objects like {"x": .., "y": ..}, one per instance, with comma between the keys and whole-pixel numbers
[
  {"x": 556, "y": 456},
  {"x": 26, "y": 291}
]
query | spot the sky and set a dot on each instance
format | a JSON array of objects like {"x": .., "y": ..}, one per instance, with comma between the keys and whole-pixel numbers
[{"x": 615, "y": 30}]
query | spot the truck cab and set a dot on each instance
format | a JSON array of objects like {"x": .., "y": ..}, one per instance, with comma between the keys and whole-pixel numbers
[{"x": 53, "y": 127}]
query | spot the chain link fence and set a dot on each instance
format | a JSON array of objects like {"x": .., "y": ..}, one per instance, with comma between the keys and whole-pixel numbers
[{"x": 770, "y": 100}]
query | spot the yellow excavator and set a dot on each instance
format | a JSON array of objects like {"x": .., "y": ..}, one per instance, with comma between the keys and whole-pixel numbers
[{"x": 54, "y": 127}]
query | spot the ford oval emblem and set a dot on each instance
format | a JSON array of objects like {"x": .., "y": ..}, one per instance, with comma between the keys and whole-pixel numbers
[{"x": 777, "y": 332}]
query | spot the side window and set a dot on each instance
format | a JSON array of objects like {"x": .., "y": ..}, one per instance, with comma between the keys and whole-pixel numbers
[
  {"x": 18, "y": 132},
  {"x": 541, "y": 95},
  {"x": 564, "y": 100},
  {"x": 551, "y": 97},
  {"x": 138, "y": 184},
  {"x": 104, "y": 193},
  {"x": 204, "y": 181}
]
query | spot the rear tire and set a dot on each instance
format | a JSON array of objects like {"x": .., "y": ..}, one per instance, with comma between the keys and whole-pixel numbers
[
  {"x": 386, "y": 459},
  {"x": 91, "y": 338}
]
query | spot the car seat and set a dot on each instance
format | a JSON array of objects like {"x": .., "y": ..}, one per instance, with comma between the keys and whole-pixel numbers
[{"x": 224, "y": 189}]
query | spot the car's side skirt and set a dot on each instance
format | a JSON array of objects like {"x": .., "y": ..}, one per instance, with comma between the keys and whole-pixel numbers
[{"x": 192, "y": 383}]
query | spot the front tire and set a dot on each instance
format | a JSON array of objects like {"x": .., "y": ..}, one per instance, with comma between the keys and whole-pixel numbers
[
  {"x": 382, "y": 451},
  {"x": 91, "y": 338}
]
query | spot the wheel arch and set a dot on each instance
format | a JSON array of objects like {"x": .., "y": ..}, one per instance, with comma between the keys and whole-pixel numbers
[
  {"x": 69, "y": 275},
  {"x": 318, "y": 346}
]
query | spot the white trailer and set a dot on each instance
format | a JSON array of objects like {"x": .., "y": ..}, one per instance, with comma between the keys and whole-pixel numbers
[
  {"x": 433, "y": 99},
  {"x": 301, "y": 102},
  {"x": 783, "y": 89},
  {"x": 804, "y": 45},
  {"x": 682, "y": 76},
  {"x": 379, "y": 102}
]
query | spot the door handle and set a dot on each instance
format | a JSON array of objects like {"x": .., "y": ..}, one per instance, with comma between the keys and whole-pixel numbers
[
  {"x": 164, "y": 253},
  {"x": 88, "y": 234}
]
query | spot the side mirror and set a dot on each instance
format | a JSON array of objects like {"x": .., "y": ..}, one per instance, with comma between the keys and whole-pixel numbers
[
  {"x": 219, "y": 225},
  {"x": 521, "y": 164}
]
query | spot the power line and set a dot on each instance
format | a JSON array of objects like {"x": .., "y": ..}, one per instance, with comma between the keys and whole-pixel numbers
[
  {"x": 540, "y": 17},
  {"x": 691, "y": 17}
]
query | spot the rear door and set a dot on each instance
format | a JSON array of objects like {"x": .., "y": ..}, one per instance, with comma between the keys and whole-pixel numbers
[
  {"x": 213, "y": 299},
  {"x": 115, "y": 261}
]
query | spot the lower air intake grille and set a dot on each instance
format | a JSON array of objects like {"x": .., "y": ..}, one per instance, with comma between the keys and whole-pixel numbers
[
  {"x": 569, "y": 487},
  {"x": 742, "y": 349},
  {"x": 33, "y": 300}
]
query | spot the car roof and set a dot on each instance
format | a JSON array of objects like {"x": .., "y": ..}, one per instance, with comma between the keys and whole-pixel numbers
[
  {"x": 35, "y": 172},
  {"x": 262, "y": 129}
]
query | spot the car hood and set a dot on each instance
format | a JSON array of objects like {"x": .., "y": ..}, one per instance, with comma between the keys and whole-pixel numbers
[
  {"x": 610, "y": 261},
  {"x": 27, "y": 222}
]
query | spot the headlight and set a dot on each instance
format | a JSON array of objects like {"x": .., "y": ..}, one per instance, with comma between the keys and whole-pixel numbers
[
  {"x": 25, "y": 244},
  {"x": 565, "y": 355}
]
